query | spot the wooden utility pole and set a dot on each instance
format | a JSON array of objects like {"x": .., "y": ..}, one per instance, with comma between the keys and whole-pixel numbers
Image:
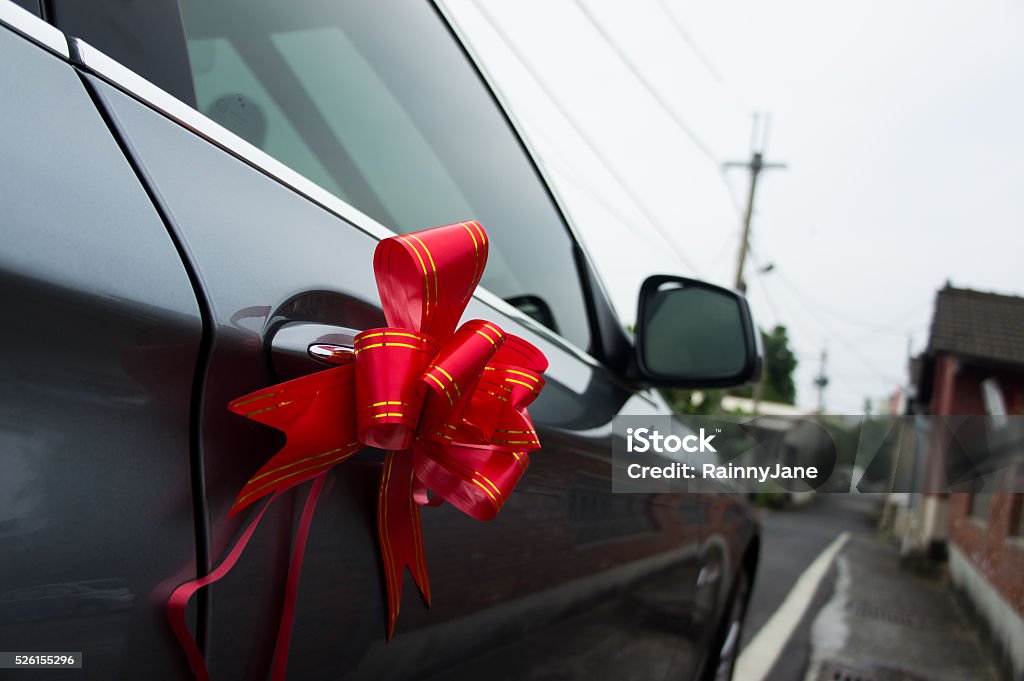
[{"x": 755, "y": 165}]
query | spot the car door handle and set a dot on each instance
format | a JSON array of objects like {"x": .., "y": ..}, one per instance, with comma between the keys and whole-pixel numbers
[
  {"x": 301, "y": 348},
  {"x": 709, "y": 575}
]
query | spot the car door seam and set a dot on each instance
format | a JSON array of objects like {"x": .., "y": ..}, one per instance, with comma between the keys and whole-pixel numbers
[{"x": 200, "y": 514}]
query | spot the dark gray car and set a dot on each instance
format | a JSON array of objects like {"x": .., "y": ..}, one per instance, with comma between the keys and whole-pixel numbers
[{"x": 179, "y": 226}]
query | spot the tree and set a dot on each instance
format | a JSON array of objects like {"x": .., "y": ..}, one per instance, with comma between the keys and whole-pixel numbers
[
  {"x": 693, "y": 402},
  {"x": 780, "y": 362}
]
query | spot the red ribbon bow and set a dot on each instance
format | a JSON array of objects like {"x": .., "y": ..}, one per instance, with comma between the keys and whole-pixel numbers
[{"x": 449, "y": 406}]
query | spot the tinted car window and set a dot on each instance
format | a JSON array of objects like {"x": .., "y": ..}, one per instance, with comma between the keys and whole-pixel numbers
[{"x": 376, "y": 102}]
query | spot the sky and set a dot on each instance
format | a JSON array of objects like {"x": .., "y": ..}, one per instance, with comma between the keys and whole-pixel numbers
[{"x": 900, "y": 124}]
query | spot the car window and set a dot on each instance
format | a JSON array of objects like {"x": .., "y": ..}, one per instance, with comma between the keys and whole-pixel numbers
[
  {"x": 252, "y": 116},
  {"x": 376, "y": 102}
]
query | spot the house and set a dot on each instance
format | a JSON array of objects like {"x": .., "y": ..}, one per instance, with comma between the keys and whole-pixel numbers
[{"x": 974, "y": 365}]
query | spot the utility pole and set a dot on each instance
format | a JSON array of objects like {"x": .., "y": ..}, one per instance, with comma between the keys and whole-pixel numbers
[
  {"x": 821, "y": 382},
  {"x": 755, "y": 165},
  {"x": 758, "y": 142}
]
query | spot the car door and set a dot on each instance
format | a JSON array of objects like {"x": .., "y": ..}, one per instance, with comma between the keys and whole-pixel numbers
[
  {"x": 98, "y": 351},
  {"x": 568, "y": 572}
]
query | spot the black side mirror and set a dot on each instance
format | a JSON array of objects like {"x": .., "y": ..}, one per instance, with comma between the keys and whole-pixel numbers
[{"x": 691, "y": 334}]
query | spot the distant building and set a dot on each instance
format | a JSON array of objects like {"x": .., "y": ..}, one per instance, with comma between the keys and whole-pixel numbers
[
  {"x": 974, "y": 365},
  {"x": 731, "y": 403}
]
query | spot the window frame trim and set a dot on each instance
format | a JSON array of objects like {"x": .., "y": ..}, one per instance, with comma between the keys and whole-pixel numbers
[
  {"x": 26, "y": 24},
  {"x": 97, "y": 63}
]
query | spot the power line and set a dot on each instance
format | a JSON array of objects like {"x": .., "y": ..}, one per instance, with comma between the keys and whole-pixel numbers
[
  {"x": 684, "y": 34},
  {"x": 791, "y": 323},
  {"x": 887, "y": 328},
  {"x": 726, "y": 244},
  {"x": 838, "y": 338},
  {"x": 485, "y": 12},
  {"x": 909, "y": 331},
  {"x": 593, "y": 194},
  {"x": 764, "y": 289},
  {"x": 639, "y": 75},
  {"x": 807, "y": 358},
  {"x": 787, "y": 318},
  {"x": 815, "y": 307}
]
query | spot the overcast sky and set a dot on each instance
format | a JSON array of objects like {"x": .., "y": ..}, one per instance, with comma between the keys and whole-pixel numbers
[{"x": 901, "y": 123}]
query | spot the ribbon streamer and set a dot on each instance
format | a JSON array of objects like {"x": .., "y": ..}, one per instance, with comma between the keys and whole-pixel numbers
[{"x": 448, "y": 404}]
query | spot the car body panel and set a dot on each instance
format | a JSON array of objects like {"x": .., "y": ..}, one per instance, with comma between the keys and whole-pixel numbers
[{"x": 99, "y": 345}]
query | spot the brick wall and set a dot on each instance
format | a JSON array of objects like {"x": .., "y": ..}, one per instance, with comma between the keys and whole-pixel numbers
[{"x": 987, "y": 544}]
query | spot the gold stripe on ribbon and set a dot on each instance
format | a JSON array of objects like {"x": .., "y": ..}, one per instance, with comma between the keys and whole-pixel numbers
[
  {"x": 449, "y": 376},
  {"x": 257, "y": 398},
  {"x": 417, "y": 529},
  {"x": 496, "y": 330},
  {"x": 433, "y": 268},
  {"x": 487, "y": 480},
  {"x": 523, "y": 373},
  {"x": 328, "y": 463},
  {"x": 301, "y": 461},
  {"x": 487, "y": 337},
  {"x": 386, "y": 544},
  {"x": 388, "y": 345},
  {"x": 423, "y": 266},
  {"x": 479, "y": 484},
  {"x": 481, "y": 232},
  {"x": 512, "y": 380},
  {"x": 270, "y": 408},
  {"x": 441, "y": 385},
  {"x": 363, "y": 337},
  {"x": 476, "y": 258}
]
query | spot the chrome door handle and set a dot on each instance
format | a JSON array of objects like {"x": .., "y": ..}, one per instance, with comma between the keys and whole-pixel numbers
[
  {"x": 300, "y": 348},
  {"x": 330, "y": 354},
  {"x": 709, "y": 574}
]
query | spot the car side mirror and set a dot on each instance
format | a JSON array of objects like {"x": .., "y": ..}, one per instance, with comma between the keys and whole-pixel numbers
[{"x": 691, "y": 334}]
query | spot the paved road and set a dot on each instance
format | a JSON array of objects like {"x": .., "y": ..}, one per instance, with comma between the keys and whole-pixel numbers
[{"x": 791, "y": 540}]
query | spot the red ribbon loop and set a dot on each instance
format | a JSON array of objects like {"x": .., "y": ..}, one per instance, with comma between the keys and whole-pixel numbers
[
  {"x": 389, "y": 363},
  {"x": 449, "y": 405}
]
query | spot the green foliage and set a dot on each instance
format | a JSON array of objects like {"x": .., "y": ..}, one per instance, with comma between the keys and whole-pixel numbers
[
  {"x": 770, "y": 499},
  {"x": 779, "y": 365},
  {"x": 693, "y": 402}
]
